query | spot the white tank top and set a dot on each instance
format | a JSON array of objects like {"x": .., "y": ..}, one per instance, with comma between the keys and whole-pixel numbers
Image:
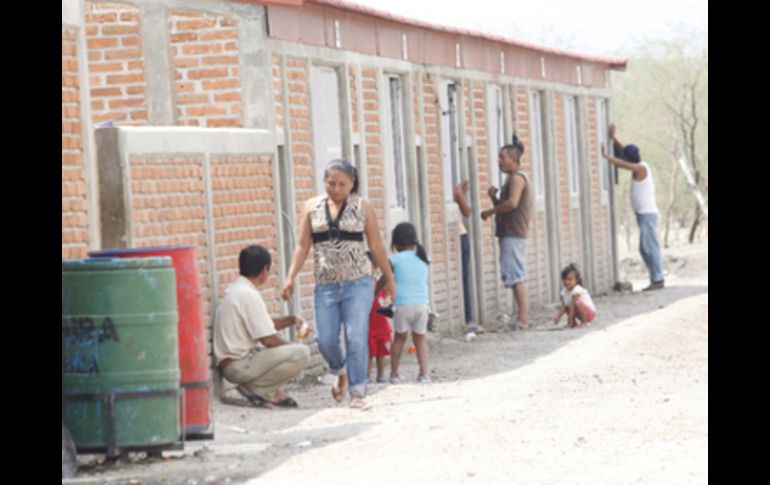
[{"x": 643, "y": 194}]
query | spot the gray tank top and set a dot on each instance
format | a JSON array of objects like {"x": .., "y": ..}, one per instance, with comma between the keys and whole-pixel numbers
[{"x": 516, "y": 222}]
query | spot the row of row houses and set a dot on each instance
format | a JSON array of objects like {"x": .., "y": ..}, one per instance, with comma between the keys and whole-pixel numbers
[{"x": 224, "y": 113}]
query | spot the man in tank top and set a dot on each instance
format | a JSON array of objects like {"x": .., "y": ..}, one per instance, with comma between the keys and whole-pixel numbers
[{"x": 644, "y": 205}]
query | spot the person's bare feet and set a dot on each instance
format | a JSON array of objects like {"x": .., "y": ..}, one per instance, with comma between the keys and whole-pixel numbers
[
  {"x": 339, "y": 387},
  {"x": 357, "y": 402}
]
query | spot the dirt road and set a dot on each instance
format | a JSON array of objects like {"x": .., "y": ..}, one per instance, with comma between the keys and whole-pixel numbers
[{"x": 624, "y": 400}]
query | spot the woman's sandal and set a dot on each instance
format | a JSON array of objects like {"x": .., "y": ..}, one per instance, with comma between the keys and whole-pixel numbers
[{"x": 357, "y": 403}]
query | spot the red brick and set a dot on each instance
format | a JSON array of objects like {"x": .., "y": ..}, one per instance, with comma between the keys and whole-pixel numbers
[
  {"x": 207, "y": 73},
  {"x": 185, "y": 87},
  {"x": 205, "y": 110},
  {"x": 71, "y": 158},
  {"x": 201, "y": 48},
  {"x": 224, "y": 122},
  {"x": 120, "y": 29},
  {"x": 129, "y": 17},
  {"x": 221, "y": 84},
  {"x": 204, "y": 23},
  {"x": 99, "y": 92},
  {"x": 186, "y": 62},
  {"x": 230, "y": 96},
  {"x": 123, "y": 54},
  {"x": 126, "y": 103},
  {"x": 219, "y": 35},
  {"x": 102, "y": 42},
  {"x": 112, "y": 67},
  {"x": 101, "y": 18},
  {"x": 220, "y": 60},
  {"x": 192, "y": 99},
  {"x": 125, "y": 79},
  {"x": 132, "y": 40},
  {"x": 184, "y": 37}
]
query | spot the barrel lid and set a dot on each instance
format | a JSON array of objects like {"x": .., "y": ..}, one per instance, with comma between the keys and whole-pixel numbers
[
  {"x": 108, "y": 264},
  {"x": 116, "y": 252}
]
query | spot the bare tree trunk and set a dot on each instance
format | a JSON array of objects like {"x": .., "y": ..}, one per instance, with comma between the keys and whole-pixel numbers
[
  {"x": 688, "y": 124},
  {"x": 671, "y": 199},
  {"x": 628, "y": 227},
  {"x": 695, "y": 223},
  {"x": 701, "y": 206},
  {"x": 672, "y": 189}
]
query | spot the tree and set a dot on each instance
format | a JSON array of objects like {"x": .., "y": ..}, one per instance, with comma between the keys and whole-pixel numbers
[{"x": 661, "y": 104}]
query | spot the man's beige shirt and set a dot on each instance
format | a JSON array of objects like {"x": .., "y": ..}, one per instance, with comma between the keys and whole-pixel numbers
[{"x": 241, "y": 320}]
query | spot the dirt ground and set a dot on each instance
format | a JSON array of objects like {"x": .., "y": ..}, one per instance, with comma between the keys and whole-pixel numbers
[{"x": 624, "y": 400}]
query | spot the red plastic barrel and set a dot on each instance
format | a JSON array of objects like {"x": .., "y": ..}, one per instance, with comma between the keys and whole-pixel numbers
[{"x": 193, "y": 355}]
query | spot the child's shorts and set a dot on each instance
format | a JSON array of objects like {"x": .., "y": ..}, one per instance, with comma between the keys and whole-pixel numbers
[
  {"x": 414, "y": 317},
  {"x": 589, "y": 312}
]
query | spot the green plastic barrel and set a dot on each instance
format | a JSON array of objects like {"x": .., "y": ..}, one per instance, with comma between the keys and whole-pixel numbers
[{"x": 120, "y": 361}]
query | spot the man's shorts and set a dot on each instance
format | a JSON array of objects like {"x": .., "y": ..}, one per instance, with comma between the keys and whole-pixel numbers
[
  {"x": 513, "y": 263},
  {"x": 414, "y": 317}
]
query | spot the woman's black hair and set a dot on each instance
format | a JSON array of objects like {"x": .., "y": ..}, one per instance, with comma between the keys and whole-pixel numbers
[
  {"x": 253, "y": 260},
  {"x": 342, "y": 165},
  {"x": 405, "y": 235},
  {"x": 572, "y": 268},
  {"x": 516, "y": 145}
]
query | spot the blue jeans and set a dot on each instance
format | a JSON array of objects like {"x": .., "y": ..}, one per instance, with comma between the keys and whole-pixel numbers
[
  {"x": 465, "y": 250},
  {"x": 648, "y": 245},
  {"x": 347, "y": 303}
]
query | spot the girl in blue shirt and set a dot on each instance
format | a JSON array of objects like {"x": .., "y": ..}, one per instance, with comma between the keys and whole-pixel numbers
[{"x": 410, "y": 309}]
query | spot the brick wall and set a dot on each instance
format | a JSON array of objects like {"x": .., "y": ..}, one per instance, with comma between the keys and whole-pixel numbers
[
  {"x": 244, "y": 213},
  {"x": 488, "y": 270},
  {"x": 537, "y": 239},
  {"x": 206, "y": 68},
  {"x": 168, "y": 208},
  {"x": 602, "y": 246},
  {"x": 297, "y": 84},
  {"x": 432, "y": 154},
  {"x": 353, "y": 98},
  {"x": 115, "y": 63},
  {"x": 280, "y": 123},
  {"x": 375, "y": 160},
  {"x": 75, "y": 242}
]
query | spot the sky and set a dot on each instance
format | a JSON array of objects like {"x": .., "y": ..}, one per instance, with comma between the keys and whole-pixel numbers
[{"x": 609, "y": 27}]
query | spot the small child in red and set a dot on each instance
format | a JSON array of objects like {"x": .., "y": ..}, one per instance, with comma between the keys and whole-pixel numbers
[{"x": 380, "y": 337}]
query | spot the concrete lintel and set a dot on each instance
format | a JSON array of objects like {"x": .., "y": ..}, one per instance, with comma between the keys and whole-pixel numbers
[{"x": 182, "y": 139}]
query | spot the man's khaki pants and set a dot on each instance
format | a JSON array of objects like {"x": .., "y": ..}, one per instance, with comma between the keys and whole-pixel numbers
[{"x": 263, "y": 371}]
